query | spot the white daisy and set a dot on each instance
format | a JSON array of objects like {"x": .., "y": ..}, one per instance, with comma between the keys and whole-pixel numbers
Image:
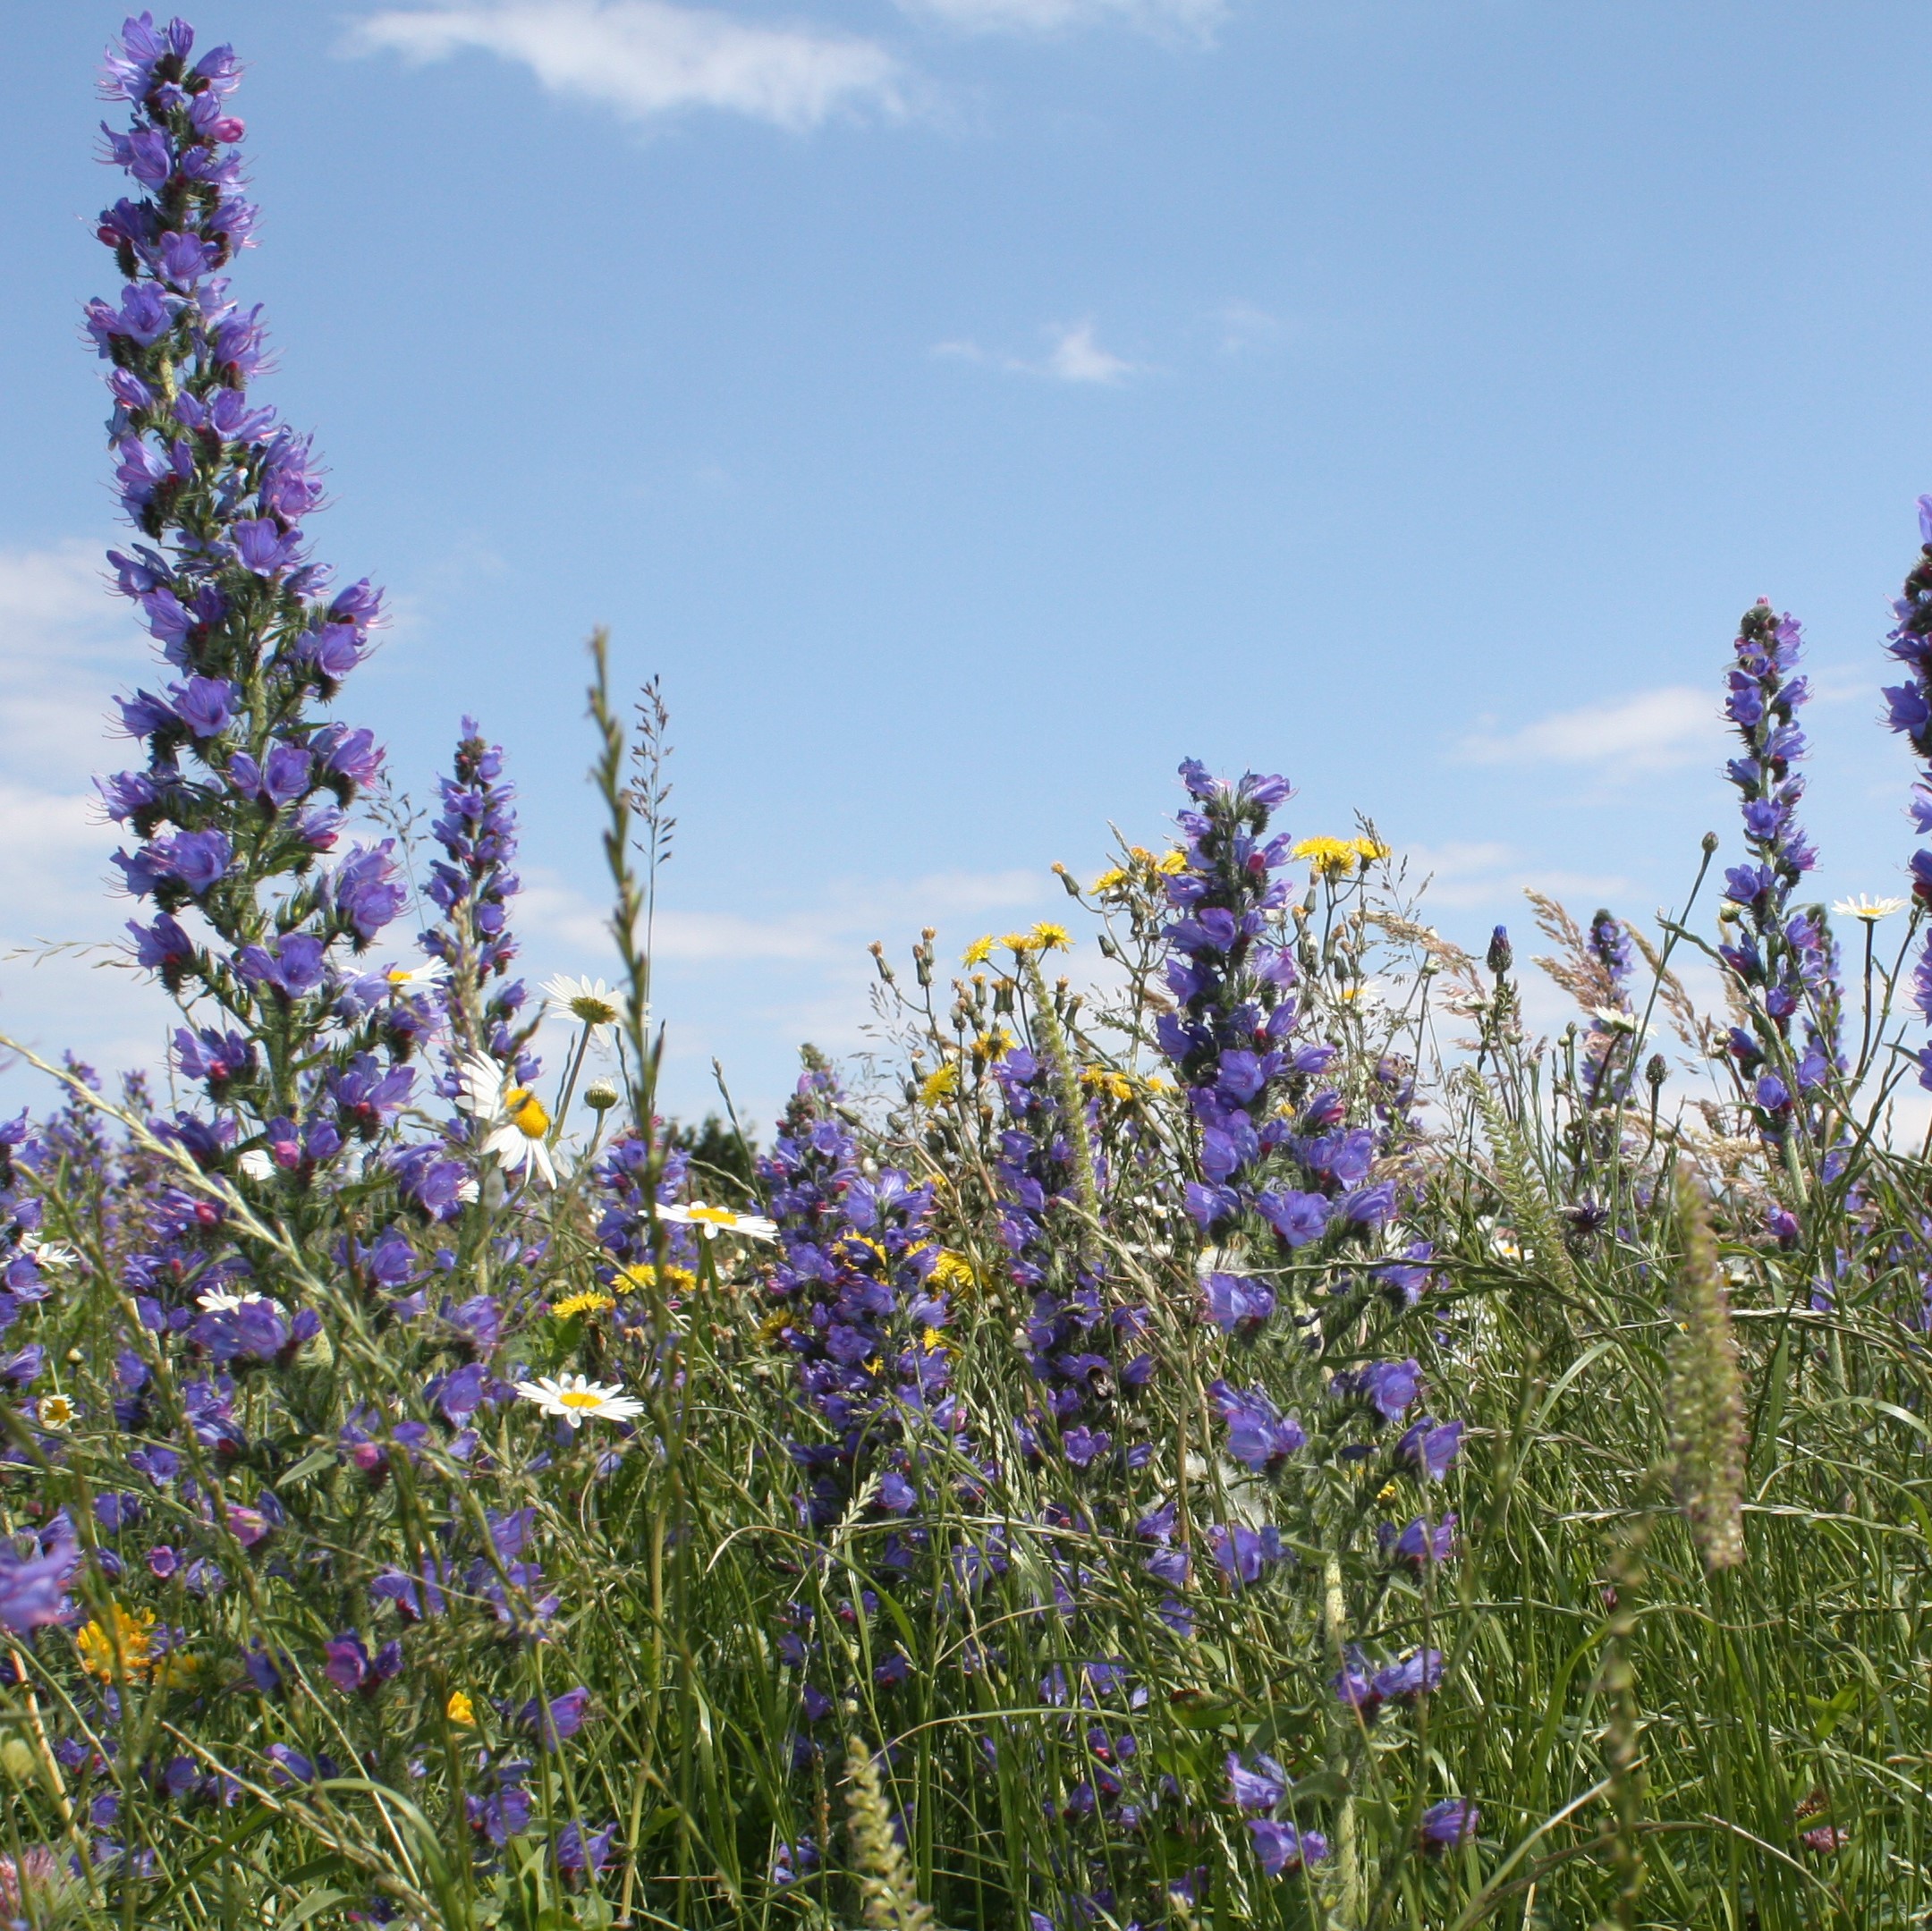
[
  {"x": 518, "y": 1126},
  {"x": 578, "y": 1400},
  {"x": 407, "y": 979},
  {"x": 216, "y": 1300},
  {"x": 1871, "y": 910},
  {"x": 588, "y": 1001},
  {"x": 54, "y": 1254},
  {"x": 713, "y": 1221}
]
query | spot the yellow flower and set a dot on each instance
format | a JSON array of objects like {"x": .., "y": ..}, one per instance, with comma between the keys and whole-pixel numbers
[
  {"x": 1336, "y": 857},
  {"x": 638, "y": 1279},
  {"x": 992, "y": 1046},
  {"x": 54, "y": 1411},
  {"x": 1109, "y": 880},
  {"x": 952, "y": 1274},
  {"x": 1172, "y": 860},
  {"x": 1387, "y": 1493},
  {"x": 131, "y": 1637},
  {"x": 934, "y": 1342},
  {"x": 176, "y": 1670},
  {"x": 461, "y": 1711},
  {"x": 589, "y": 1302},
  {"x": 1049, "y": 938},
  {"x": 771, "y": 1329},
  {"x": 936, "y": 1085},
  {"x": 1114, "y": 1085},
  {"x": 1017, "y": 942},
  {"x": 978, "y": 952}
]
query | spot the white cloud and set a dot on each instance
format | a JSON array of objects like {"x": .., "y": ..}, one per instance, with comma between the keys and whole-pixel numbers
[
  {"x": 1648, "y": 732},
  {"x": 1197, "y": 17},
  {"x": 648, "y": 58},
  {"x": 1076, "y": 356},
  {"x": 66, "y": 645}
]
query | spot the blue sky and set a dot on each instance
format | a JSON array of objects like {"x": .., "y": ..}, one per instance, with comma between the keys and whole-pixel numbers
[{"x": 971, "y": 407}]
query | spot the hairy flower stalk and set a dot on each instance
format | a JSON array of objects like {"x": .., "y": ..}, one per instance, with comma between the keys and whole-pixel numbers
[
  {"x": 1707, "y": 1394},
  {"x": 889, "y": 1899}
]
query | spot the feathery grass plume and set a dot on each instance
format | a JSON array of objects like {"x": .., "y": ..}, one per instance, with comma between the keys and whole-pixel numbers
[
  {"x": 890, "y": 1899},
  {"x": 1523, "y": 1194},
  {"x": 1707, "y": 1395}
]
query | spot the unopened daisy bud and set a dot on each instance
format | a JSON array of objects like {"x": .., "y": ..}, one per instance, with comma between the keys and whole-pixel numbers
[
  {"x": 1707, "y": 1394},
  {"x": 601, "y": 1096}
]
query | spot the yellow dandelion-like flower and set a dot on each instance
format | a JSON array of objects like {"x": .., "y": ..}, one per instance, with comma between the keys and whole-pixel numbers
[
  {"x": 992, "y": 1046},
  {"x": 460, "y": 1710},
  {"x": 934, "y": 1342},
  {"x": 1387, "y": 1493},
  {"x": 131, "y": 1637},
  {"x": 771, "y": 1329},
  {"x": 1110, "y": 880},
  {"x": 1105, "y": 1080},
  {"x": 1336, "y": 857},
  {"x": 1049, "y": 938},
  {"x": 952, "y": 1274},
  {"x": 1017, "y": 942},
  {"x": 980, "y": 951},
  {"x": 1172, "y": 860},
  {"x": 935, "y": 1087},
  {"x": 589, "y": 1302},
  {"x": 639, "y": 1279}
]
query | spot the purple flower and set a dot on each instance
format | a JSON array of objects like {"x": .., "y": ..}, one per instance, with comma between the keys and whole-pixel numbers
[
  {"x": 290, "y": 966},
  {"x": 1258, "y": 1436},
  {"x": 262, "y": 546},
  {"x": 1297, "y": 1217},
  {"x": 1239, "y": 1304},
  {"x": 34, "y": 1592},
  {"x": 1452, "y": 1822},
  {"x": 1389, "y": 1387},
  {"x": 1282, "y": 1847},
  {"x": 560, "y": 1720},
  {"x": 1415, "y": 1675},
  {"x": 1243, "y": 1555},
  {"x": 366, "y": 892},
  {"x": 578, "y": 1849},
  {"x": 1424, "y": 1542},
  {"x": 1259, "y": 1789},
  {"x": 1431, "y": 1445}
]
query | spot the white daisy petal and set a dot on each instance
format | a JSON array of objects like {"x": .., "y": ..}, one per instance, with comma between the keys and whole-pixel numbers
[
  {"x": 713, "y": 1221},
  {"x": 1871, "y": 910},
  {"x": 576, "y": 1399}
]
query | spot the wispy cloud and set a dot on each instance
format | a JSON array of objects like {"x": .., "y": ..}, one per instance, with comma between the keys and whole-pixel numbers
[
  {"x": 1199, "y": 17},
  {"x": 1075, "y": 355},
  {"x": 1649, "y": 731},
  {"x": 648, "y": 58},
  {"x": 1243, "y": 326}
]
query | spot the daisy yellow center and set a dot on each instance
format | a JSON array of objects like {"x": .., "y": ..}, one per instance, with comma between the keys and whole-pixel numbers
[
  {"x": 716, "y": 1216},
  {"x": 580, "y": 1398},
  {"x": 55, "y": 1411},
  {"x": 593, "y": 1010},
  {"x": 526, "y": 1112}
]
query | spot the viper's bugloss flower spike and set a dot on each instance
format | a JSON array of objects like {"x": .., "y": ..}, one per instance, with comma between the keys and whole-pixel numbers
[
  {"x": 246, "y": 785},
  {"x": 1783, "y": 961},
  {"x": 1910, "y": 714},
  {"x": 1706, "y": 1393}
]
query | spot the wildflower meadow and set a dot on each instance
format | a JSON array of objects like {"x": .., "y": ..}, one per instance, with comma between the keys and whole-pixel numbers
[{"x": 1229, "y": 1428}]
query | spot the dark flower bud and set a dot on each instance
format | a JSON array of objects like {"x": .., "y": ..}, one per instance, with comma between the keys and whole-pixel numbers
[{"x": 1501, "y": 956}]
